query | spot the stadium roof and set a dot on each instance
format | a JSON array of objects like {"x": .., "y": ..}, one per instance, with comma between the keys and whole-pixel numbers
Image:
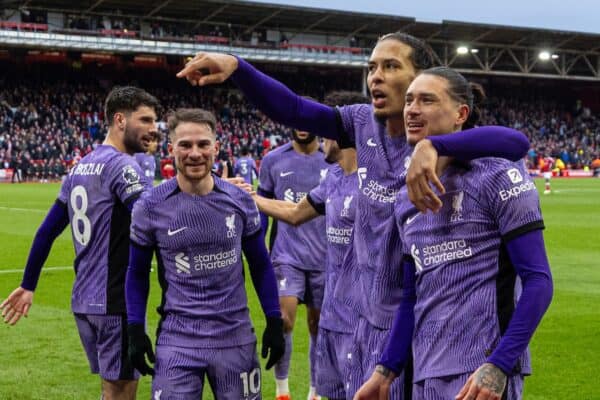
[
  {"x": 491, "y": 49},
  {"x": 251, "y": 15}
]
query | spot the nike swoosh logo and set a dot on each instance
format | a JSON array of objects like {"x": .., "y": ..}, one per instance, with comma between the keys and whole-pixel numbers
[
  {"x": 371, "y": 143},
  {"x": 284, "y": 174},
  {"x": 411, "y": 219},
  {"x": 171, "y": 233}
]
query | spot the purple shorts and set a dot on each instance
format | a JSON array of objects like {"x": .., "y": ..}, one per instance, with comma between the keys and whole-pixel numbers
[
  {"x": 367, "y": 344},
  {"x": 307, "y": 286},
  {"x": 232, "y": 372},
  {"x": 447, "y": 387},
  {"x": 332, "y": 363},
  {"x": 104, "y": 339}
]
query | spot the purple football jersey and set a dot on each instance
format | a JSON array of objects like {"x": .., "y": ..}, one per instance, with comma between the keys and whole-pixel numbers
[
  {"x": 289, "y": 175},
  {"x": 246, "y": 168},
  {"x": 97, "y": 191},
  {"x": 148, "y": 164},
  {"x": 199, "y": 241},
  {"x": 337, "y": 196},
  {"x": 466, "y": 287},
  {"x": 382, "y": 162}
]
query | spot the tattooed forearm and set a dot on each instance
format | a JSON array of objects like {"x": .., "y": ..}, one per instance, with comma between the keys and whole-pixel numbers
[{"x": 491, "y": 377}]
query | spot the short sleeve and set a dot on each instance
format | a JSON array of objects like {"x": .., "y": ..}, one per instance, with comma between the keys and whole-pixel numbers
[
  {"x": 141, "y": 231},
  {"x": 512, "y": 199},
  {"x": 252, "y": 217},
  {"x": 65, "y": 190},
  {"x": 265, "y": 176},
  {"x": 318, "y": 195},
  {"x": 128, "y": 180}
]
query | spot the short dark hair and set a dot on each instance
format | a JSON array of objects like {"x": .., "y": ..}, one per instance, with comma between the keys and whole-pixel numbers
[
  {"x": 345, "y": 97},
  {"x": 195, "y": 115},
  {"x": 127, "y": 99},
  {"x": 462, "y": 91},
  {"x": 421, "y": 54}
]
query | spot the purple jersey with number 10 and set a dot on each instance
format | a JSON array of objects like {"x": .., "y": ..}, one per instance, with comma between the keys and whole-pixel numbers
[
  {"x": 290, "y": 176},
  {"x": 199, "y": 242},
  {"x": 466, "y": 286},
  {"x": 97, "y": 191},
  {"x": 336, "y": 195},
  {"x": 382, "y": 161}
]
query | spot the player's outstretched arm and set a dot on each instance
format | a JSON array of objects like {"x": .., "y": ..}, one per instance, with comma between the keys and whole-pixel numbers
[
  {"x": 272, "y": 97},
  {"x": 137, "y": 287},
  {"x": 484, "y": 141},
  {"x": 265, "y": 284},
  {"x": 20, "y": 300},
  {"x": 291, "y": 213}
]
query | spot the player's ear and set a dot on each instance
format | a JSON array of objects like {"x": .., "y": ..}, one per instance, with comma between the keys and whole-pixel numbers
[
  {"x": 119, "y": 120},
  {"x": 217, "y": 146},
  {"x": 170, "y": 148},
  {"x": 462, "y": 114}
]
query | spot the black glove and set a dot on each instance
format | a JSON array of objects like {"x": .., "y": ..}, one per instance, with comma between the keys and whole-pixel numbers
[
  {"x": 140, "y": 346},
  {"x": 273, "y": 340}
]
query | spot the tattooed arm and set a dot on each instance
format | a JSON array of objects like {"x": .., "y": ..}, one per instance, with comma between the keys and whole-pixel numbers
[{"x": 488, "y": 383}]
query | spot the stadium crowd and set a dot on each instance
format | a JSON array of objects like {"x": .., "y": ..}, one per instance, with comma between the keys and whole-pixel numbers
[{"x": 45, "y": 129}]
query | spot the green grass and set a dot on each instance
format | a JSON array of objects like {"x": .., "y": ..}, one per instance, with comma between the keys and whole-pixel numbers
[{"x": 41, "y": 357}]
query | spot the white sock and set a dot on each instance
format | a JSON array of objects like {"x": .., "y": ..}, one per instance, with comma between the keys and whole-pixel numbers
[
  {"x": 282, "y": 386},
  {"x": 312, "y": 393}
]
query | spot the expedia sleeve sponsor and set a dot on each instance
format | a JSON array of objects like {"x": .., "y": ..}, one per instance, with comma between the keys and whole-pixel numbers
[{"x": 515, "y": 191}]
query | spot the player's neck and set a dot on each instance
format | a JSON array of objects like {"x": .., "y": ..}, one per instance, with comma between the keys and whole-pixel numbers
[
  {"x": 200, "y": 187},
  {"x": 395, "y": 126},
  {"x": 112, "y": 140},
  {"x": 308, "y": 148},
  {"x": 347, "y": 162}
]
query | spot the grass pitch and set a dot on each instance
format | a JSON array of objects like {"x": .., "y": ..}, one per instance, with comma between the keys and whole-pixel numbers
[{"x": 41, "y": 357}]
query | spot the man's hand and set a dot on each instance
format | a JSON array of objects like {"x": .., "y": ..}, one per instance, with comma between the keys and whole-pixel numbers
[
  {"x": 16, "y": 305},
  {"x": 487, "y": 383},
  {"x": 376, "y": 388},
  {"x": 140, "y": 346},
  {"x": 241, "y": 183},
  {"x": 273, "y": 341},
  {"x": 208, "y": 68},
  {"x": 420, "y": 174}
]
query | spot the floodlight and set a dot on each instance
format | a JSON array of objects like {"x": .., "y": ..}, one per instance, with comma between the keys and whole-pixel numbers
[
  {"x": 474, "y": 51},
  {"x": 555, "y": 56},
  {"x": 544, "y": 55},
  {"x": 462, "y": 50}
]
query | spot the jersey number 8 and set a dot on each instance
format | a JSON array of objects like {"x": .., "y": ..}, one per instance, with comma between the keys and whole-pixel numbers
[{"x": 80, "y": 223}]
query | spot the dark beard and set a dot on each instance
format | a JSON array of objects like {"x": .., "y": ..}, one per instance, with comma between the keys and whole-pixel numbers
[
  {"x": 309, "y": 139},
  {"x": 131, "y": 143}
]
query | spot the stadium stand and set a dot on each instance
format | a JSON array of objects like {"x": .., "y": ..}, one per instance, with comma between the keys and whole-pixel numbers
[{"x": 54, "y": 116}]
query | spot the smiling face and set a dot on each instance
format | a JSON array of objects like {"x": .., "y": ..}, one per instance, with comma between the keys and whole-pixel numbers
[
  {"x": 391, "y": 70},
  {"x": 194, "y": 149},
  {"x": 430, "y": 110},
  {"x": 140, "y": 129}
]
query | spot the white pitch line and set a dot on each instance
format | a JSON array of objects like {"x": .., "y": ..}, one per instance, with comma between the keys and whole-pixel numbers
[
  {"x": 35, "y": 210},
  {"x": 16, "y": 270}
]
